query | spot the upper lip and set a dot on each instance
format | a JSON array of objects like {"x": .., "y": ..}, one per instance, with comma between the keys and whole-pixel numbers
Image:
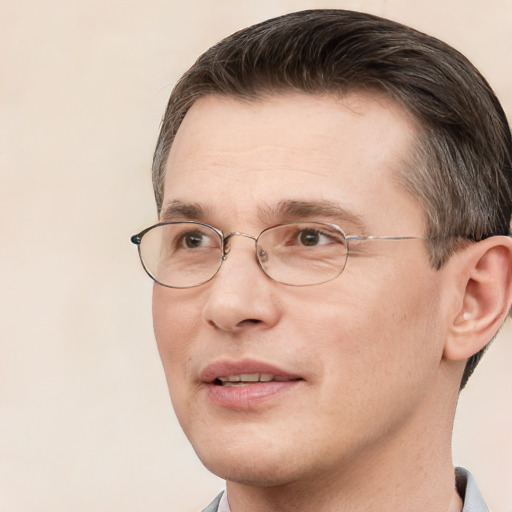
[{"x": 225, "y": 368}]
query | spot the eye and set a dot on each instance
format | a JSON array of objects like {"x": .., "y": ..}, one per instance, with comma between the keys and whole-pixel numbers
[
  {"x": 193, "y": 239},
  {"x": 196, "y": 239},
  {"x": 311, "y": 237}
]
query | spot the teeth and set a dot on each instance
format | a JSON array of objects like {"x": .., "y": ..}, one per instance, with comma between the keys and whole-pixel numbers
[
  {"x": 232, "y": 378},
  {"x": 248, "y": 377}
]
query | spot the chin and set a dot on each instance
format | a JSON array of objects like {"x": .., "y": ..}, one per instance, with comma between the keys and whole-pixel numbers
[
  {"x": 261, "y": 474},
  {"x": 255, "y": 461},
  {"x": 241, "y": 461}
]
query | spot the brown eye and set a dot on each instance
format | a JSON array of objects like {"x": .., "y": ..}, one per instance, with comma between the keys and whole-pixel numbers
[
  {"x": 193, "y": 239},
  {"x": 309, "y": 237}
]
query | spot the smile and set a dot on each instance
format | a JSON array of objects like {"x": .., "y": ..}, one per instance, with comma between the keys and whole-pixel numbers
[
  {"x": 248, "y": 379},
  {"x": 246, "y": 384}
]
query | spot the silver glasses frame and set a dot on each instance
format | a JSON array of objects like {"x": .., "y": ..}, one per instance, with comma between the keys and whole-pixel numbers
[{"x": 223, "y": 238}]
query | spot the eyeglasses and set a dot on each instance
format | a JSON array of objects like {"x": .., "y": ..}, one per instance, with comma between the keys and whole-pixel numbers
[{"x": 188, "y": 254}]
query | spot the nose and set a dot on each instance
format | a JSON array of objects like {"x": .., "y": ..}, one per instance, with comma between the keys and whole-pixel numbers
[{"x": 241, "y": 296}]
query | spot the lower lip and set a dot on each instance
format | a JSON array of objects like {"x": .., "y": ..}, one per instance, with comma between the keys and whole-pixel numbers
[{"x": 248, "y": 396}]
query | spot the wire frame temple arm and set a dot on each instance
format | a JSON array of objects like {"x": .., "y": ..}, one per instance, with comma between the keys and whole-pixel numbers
[{"x": 372, "y": 237}]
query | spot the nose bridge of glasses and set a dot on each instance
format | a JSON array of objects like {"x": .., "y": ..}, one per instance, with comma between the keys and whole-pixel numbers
[
  {"x": 228, "y": 236},
  {"x": 233, "y": 233}
]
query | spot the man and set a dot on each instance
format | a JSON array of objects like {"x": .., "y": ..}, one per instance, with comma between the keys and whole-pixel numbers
[{"x": 332, "y": 258}]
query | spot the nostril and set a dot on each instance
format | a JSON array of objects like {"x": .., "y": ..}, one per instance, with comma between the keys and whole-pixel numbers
[{"x": 249, "y": 321}]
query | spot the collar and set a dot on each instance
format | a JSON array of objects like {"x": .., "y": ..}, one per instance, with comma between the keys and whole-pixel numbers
[
  {"x": 469, "y": 492},
  {"x": 223, "y": 504}
]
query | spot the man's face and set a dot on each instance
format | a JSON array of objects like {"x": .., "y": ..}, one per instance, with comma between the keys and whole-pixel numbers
[{"x": 357, "y": 358}]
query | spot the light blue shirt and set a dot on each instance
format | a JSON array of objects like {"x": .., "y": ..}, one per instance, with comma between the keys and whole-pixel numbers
[{"x": 469, "y": 492}]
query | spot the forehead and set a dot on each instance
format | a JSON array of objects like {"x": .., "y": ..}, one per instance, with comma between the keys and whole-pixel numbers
[{"x": 230, "y": 155}]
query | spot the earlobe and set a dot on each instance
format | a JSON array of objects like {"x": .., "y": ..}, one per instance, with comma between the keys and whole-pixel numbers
[{"x": 485, "y": 295}]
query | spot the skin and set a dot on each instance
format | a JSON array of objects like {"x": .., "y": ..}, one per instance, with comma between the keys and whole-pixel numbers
[{"x": 368, "y": 425}]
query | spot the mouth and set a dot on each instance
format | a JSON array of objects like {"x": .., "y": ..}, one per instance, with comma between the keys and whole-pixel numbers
[
  {"x": 247, "y": 384},
  {"x": 246, "y": 379}
]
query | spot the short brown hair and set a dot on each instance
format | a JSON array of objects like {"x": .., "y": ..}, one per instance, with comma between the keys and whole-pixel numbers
[{"x": 462, "y": 172}]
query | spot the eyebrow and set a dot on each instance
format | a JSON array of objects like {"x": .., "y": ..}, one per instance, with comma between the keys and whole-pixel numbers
[
  {"x": 177, "y": 210},
  {"x": 293, "y": 210},
  {"x": 283, "y": 211}
]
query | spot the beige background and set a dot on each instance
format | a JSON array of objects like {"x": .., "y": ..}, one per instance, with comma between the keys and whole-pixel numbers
[{"x": 85, "y": 421}]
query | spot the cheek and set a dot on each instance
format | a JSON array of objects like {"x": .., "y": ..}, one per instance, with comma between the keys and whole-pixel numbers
[
  {"x": 404, "y": 339},
  {"x": 175, "y": 326},
  {"x": 380, "y": 343},
  {"x": 373, "y": 324}
]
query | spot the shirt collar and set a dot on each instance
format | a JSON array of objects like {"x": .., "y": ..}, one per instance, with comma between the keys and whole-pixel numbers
[
  {"x": 223, "y": 503},
  {"x": 469, "y": 492}
]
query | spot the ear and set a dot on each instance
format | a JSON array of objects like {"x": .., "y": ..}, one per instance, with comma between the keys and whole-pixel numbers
[{"x": 484, "y": 285}]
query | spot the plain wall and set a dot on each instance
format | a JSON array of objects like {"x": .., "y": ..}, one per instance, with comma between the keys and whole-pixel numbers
[{"x": 85, "y": 421}]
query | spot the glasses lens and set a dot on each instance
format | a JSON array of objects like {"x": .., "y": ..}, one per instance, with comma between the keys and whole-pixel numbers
[
  {"x": 181, "y": 254},
  {"x": 302, "y": 253}
]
